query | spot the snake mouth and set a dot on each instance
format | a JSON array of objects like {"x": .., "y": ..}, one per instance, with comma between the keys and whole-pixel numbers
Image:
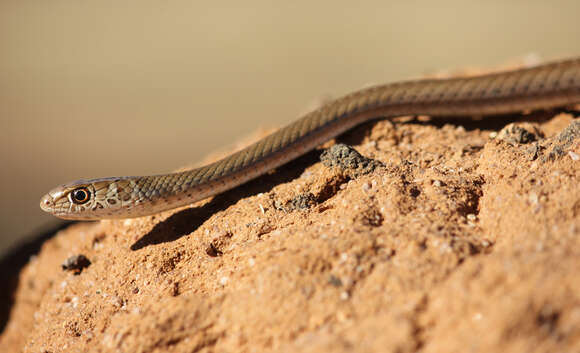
[{"x": 49, "y": 202}]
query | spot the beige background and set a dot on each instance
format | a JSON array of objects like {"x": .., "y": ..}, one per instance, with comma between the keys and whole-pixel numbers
[{"x": 102, "y": 88}]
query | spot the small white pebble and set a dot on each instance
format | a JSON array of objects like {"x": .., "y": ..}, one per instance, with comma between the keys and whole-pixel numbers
[
  {"x": 533, "y": 198},
  {"x": 116, "y": 301},
  {"x": 344, "y": 295},
  {"x": 471, "y": 217},
  {"x": 251, "y": 261},
  {"x": 493, "y": 134},
  {"x": 437, "y": 183},
  {"x": 575, "y": 157},
  {"x": 224, "y": 280},
  {"x": 341, "y": 316},
  {"x": 343, "y": 257},
  {"x": 445, "y": 249},
  {"x": 63, "y": 284}
]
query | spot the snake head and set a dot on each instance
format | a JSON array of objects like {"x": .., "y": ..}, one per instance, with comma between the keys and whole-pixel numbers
[{"x": 86, "y": 199}]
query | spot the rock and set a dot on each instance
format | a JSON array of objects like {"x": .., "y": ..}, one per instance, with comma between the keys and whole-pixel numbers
[{"x": 444, "y": 248}]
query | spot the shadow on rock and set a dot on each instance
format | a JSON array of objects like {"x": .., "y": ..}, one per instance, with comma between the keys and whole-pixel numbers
[
  {"x": 14, "y": 261},
  {"x": 187, "y": 221}
]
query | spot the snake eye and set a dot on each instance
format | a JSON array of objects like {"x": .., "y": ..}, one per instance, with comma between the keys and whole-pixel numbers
[{"x": 80, "y": 195}]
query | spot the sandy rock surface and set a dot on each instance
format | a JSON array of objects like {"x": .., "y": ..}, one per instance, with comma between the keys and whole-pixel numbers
[{"x": 462, "y": 237}]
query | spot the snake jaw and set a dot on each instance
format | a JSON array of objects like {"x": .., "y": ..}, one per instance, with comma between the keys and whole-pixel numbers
[
  {"x": 56, "y": 202},
  {"x": 53, "y": 203}
]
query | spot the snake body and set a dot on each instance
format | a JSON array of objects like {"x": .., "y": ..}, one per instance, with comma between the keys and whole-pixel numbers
[{"x": 542, "y": 87}]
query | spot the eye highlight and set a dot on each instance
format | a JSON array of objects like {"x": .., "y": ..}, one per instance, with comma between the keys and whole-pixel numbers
[{"x": 80, "y": 195}]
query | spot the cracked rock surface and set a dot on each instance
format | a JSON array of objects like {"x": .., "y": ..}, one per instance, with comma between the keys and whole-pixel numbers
[{"x": 458, "y": 242}]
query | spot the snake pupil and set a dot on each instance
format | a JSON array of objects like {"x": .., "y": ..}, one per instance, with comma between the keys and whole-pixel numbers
[{"x": 80, "y": 195}]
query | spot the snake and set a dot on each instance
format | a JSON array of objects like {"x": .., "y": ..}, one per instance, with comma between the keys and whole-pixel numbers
[{"x": 545, "y": 86}]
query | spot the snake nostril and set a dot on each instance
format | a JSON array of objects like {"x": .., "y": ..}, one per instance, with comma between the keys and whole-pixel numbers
[{"x": 46, "y": 201}]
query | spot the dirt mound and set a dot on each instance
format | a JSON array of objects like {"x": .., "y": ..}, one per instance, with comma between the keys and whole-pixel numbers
[{"x": 458, "y": 239}]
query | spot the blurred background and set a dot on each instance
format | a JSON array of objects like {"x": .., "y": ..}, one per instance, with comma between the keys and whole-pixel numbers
[{"x": 103, "y": 88}]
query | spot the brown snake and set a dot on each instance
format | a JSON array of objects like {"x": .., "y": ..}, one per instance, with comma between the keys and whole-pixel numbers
[{"x": 541, "y": 87}]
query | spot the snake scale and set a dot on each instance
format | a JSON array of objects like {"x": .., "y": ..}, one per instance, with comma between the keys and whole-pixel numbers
[{"x": 544, "y": 86}]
